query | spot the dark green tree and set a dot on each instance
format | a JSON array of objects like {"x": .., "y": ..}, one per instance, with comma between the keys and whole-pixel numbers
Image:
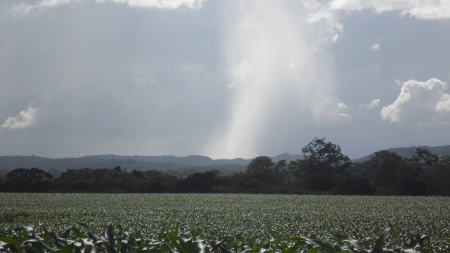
[
  {"x": 391, "y": 174},
  {"x": 318, "y": 151},
  {"x": 29, "y": 174},
  {"x": 138, "y": 174},
  {"x": 324, "y": 166},
  {"x": 198, "y": 182},
  {"x": 260, "y": 164},
  {"x": 425, "y": 157},
  {"x": 438, "y": 176}
]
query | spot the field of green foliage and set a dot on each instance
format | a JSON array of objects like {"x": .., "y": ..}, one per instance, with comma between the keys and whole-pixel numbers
[{"x": 230, "y": 216}]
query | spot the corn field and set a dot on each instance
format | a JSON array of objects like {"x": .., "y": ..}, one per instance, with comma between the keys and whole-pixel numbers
[{"x": 222, "y": 223}]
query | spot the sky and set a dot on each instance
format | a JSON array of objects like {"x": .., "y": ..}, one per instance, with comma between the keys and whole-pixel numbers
[{"x": 224, "y": 79}]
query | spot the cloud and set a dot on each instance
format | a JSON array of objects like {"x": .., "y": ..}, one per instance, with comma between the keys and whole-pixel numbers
[
  {"x": 316, "y": 17},
  {"x": 240, "y": 74},
  {"x": 371, "y": 105},
  {"x": 329, "y": 14},
  {"x": 272, "y": 71},
  {"x": 444, "y": 104},
  {"x": 160, "y": 4},
  {"x": 139, "y": 80},
  {"x": 331, "y": 110},
  {"x": 413, "y": 8},
  {"x": 24, "y": 9},
  {"x": 328, "y": 21},
  {"x": 25, "y": 119},
  {"x": 399, "y": 82},
  {"x": 375, "y": 47},
  {"x": 420, "y": 102}
]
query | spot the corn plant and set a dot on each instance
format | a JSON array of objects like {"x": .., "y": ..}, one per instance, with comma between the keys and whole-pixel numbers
[{"x": 40, "y": 240}]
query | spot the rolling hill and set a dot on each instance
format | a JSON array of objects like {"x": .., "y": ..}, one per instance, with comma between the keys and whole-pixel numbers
[
  {"x": 409, "y": 151},
  {"x": 179, "y": 166}
]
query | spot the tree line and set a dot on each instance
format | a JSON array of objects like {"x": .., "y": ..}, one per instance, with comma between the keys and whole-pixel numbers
[{"x": 324, "y": 170}]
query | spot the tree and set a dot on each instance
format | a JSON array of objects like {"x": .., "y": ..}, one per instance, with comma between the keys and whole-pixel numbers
[
  {"x": 295, "y": 172},
  {"x": 55, "y": 172},
  {"x": 320, "y": 151},
  {"x": 260, "y": 164},
  {"x": 138, "y": 174},
  {"x": 385, "y": 170},
  {"x": 200, "y": 182},
  {"x": 425, "y": 157},
  {"x": 323, "y": 156},
  {"x": 29, "y": 174},
  {"x": 438, "y": 176},
  {"x": 384, "y": 161},
  {"x": 281, "y": 165},
  {"x": 323, "y": 167},
  {"x": 3, "y": 172}
]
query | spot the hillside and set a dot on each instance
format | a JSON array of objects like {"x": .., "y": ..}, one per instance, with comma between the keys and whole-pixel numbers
[
  {"x": 173, "y": 165},
  {"x": 407, "y": 152},
  {"x": 193, "y": 160},
  {"x": 13, "y": 162}
]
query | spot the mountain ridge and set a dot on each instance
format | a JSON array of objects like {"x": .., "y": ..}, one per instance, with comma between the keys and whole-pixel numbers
[
  {"x": 408, "y": 152},
  {"x": 196, "y": 160},
  {"x": 169, "y": 162},
  {"x": 173, "y": 165}
]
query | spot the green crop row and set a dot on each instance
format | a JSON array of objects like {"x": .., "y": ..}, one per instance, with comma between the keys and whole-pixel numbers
[
  {"x": 257, "y": 218},
  {"x": 31, "y": 240}
]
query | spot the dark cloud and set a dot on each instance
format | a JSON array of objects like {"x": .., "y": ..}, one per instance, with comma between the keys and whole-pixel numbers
[{"x": 216, "y": 78}]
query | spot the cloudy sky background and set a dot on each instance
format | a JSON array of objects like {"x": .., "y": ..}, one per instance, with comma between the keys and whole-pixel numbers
[{"x": 224, "y": 79}]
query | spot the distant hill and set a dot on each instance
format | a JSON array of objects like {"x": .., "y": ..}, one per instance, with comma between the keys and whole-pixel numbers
[
  {"x": 180, "y": 166},
  {"x": 407, "y": 152},
  {"x": 288, "y": 157},
  {"x": 13, "y": 162},
  {"x": 167, "y": 159},
  {"x": 174, "y": 165},
  {"x": 194, "y": 160}
]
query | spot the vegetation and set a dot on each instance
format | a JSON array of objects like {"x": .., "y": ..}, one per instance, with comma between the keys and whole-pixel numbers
[
  {"x": 236, "y": 219},
  {"x": 408, "y": 152},
  {"x": 27, "y": 239},
  {"x": 38, "y": 223},
  {"x": 324, "y": 170},
  {"x": 176, "y": 166}
]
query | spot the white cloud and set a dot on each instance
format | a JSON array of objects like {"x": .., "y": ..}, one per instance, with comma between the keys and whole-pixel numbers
[
  {"x": 420, "y": 102},
  {"x": 399, "y": 82},
  {"x": 316, "y": 17},
  {"x": 444, "y": 104},
  {"x": 429, "y": 9},
  {"x": 376, "y": 47},
  {"x": 25, "y": 119},
  {"x": 371, "y": 105},
  {"x": 161, "y": 4},
  {"x": 330, "y": 16},
  {"x": 331, "y": 110},
  {"x": 321, "y": 15},
  {"x": 23, "y": 9}
]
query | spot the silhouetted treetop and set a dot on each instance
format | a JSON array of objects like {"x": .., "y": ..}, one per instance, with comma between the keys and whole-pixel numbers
[{"x": 29, "y": 174}]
